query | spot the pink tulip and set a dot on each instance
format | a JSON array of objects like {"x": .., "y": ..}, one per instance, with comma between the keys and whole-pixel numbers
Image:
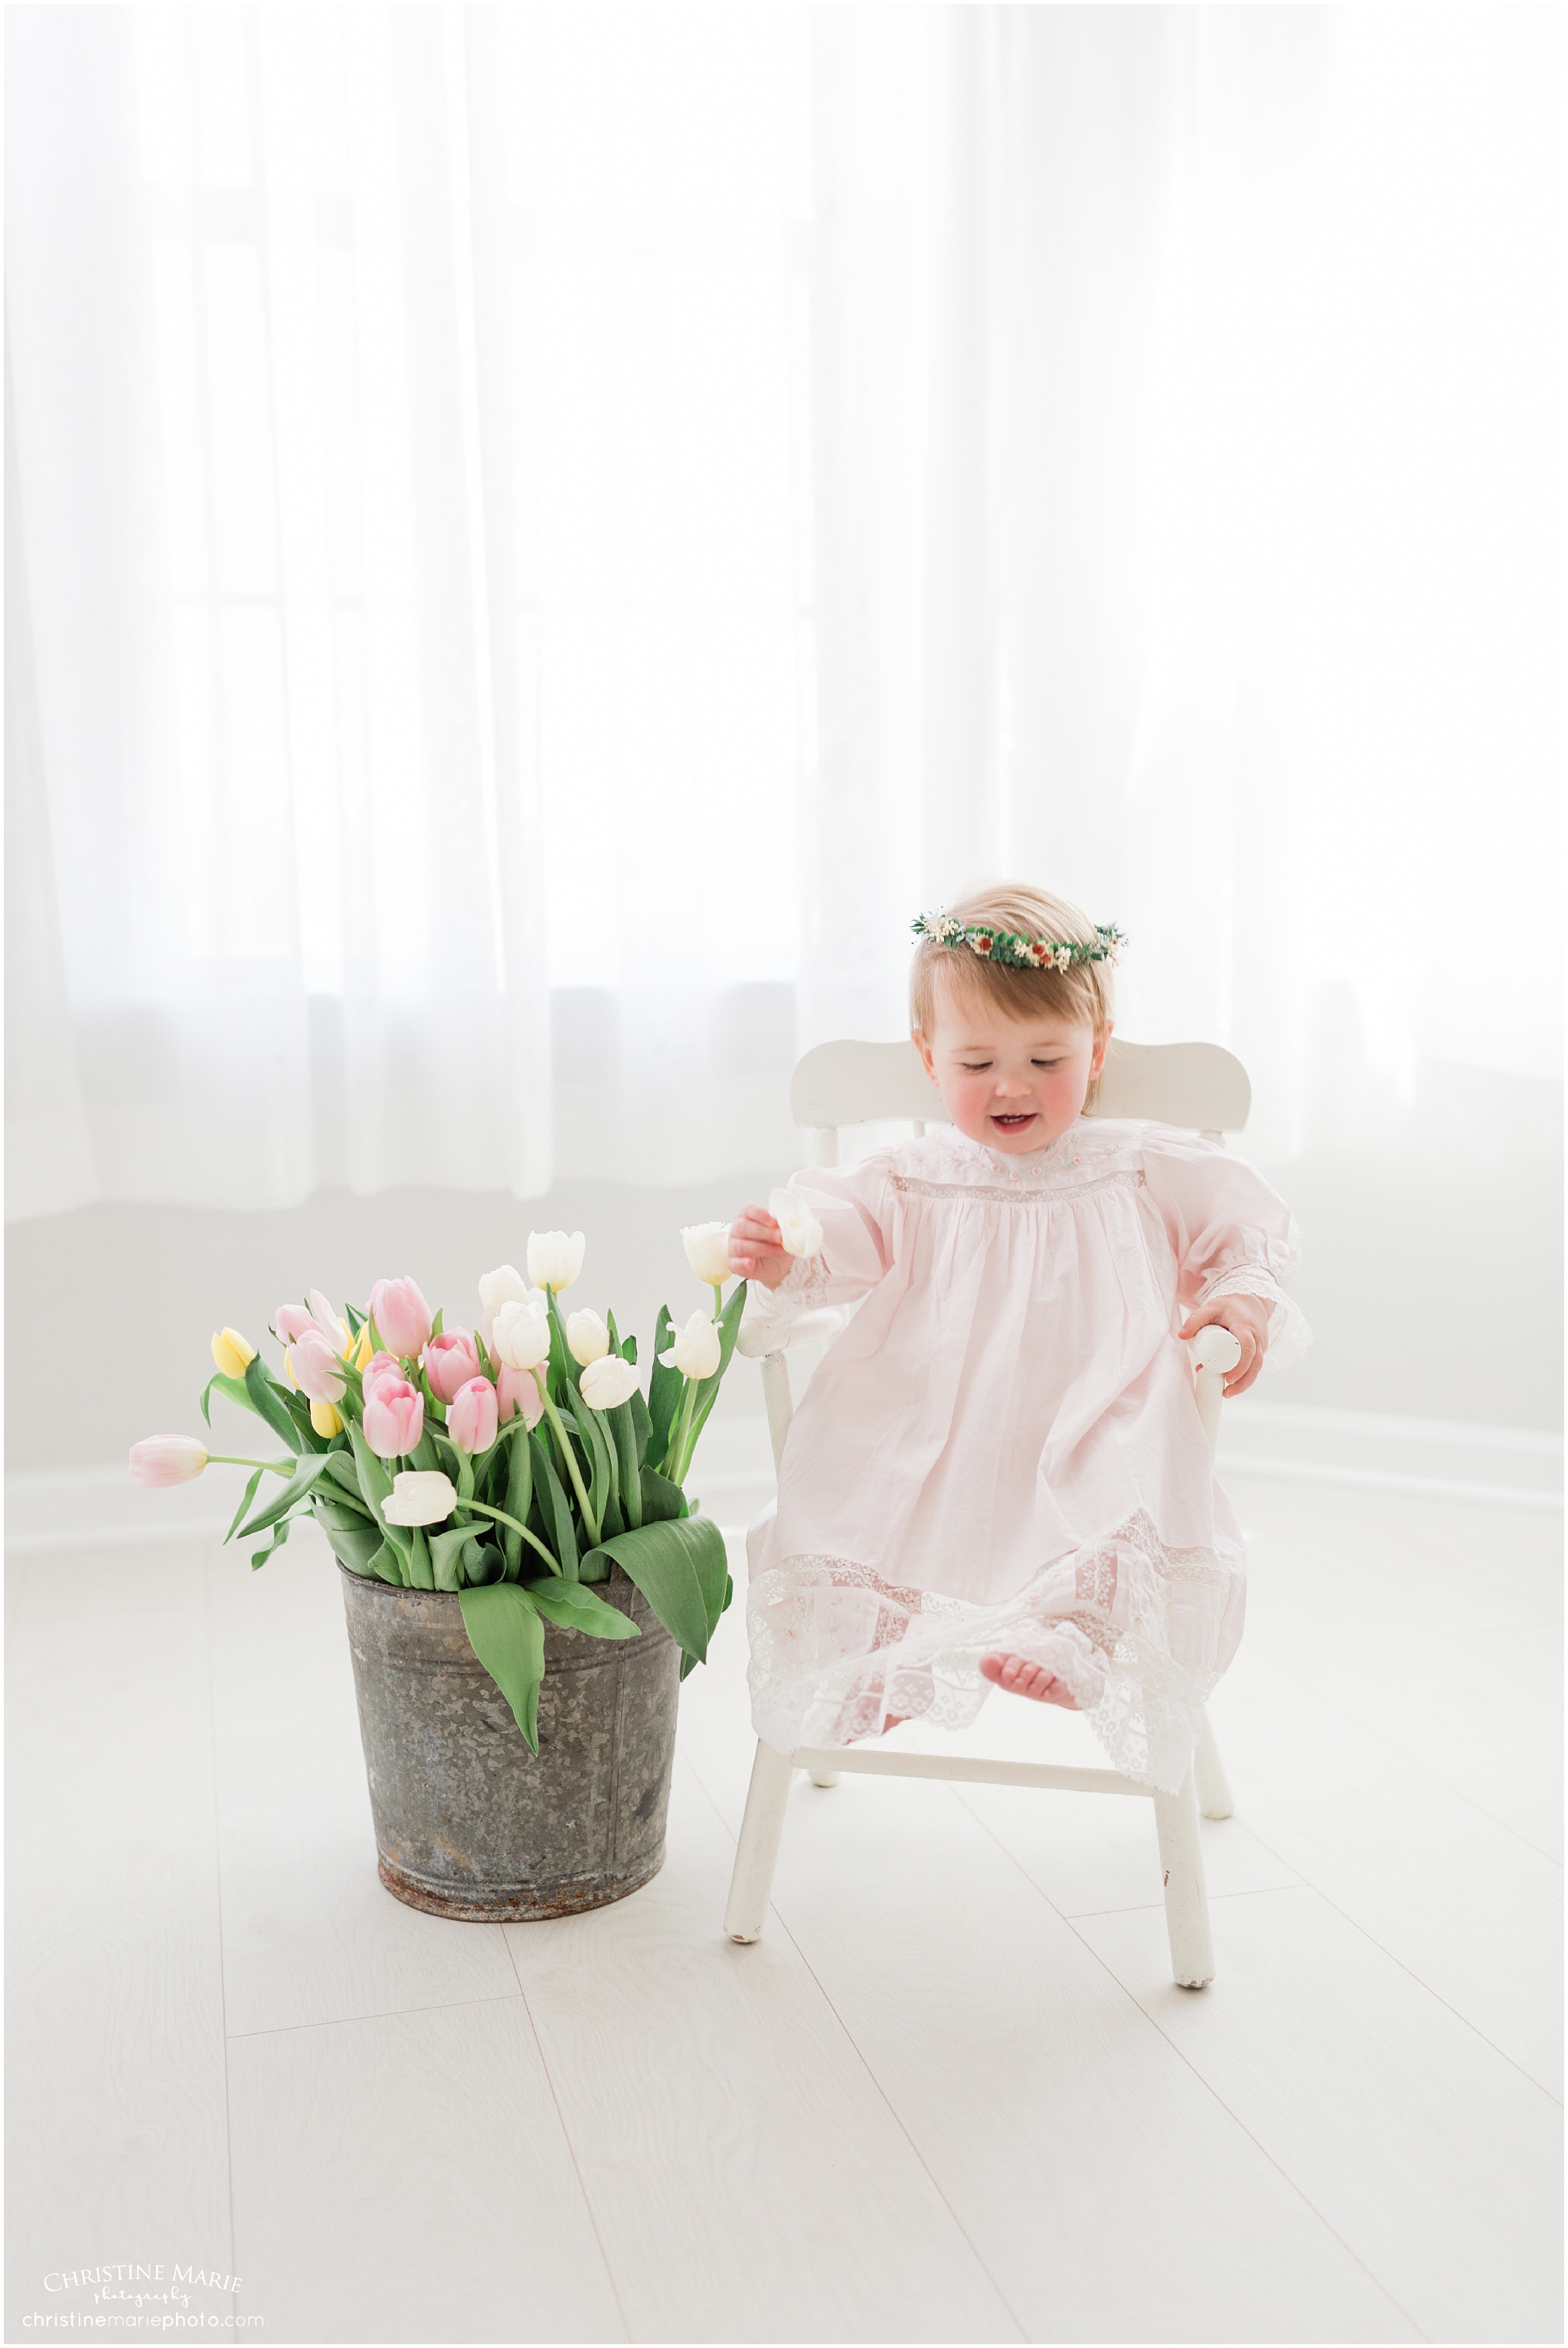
[
  {"x": 380, "y": 1370},
  {"x": 393, "y": 1419},
  {"x": 317, "y": 1370},
  {"x": 166, "y": 1459},
  {"x": 332, "y": 1327},
  {"x": 519, "y": 1390},
  {"x": 291, "y": 1322},
  {"x": 471, "y": 1420},
  {"x": 450, "y": 1360},
  {"x": 401, "y": 1316}
]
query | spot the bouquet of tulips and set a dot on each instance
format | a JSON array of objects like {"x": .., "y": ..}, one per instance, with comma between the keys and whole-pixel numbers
[{"x": 512, "y": 1463}]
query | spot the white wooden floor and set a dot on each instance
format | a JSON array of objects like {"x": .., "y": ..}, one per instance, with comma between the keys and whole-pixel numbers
[{"x": 952, "y": 2095}]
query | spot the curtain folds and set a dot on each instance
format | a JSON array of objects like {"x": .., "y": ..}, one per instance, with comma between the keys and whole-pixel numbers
[{"x": 538, "y": 537}]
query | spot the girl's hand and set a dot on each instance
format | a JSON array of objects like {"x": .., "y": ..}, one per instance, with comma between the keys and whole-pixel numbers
[
  {"x": 1247, "y": 1319},
  {"x": 755, "y": 1249}
]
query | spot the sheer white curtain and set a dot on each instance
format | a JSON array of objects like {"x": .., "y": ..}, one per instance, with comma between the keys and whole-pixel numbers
[
  {"x": 405, "y": 502},
  {"x": 1189, "y": 510},
  {"x": 538, "y": 537}
]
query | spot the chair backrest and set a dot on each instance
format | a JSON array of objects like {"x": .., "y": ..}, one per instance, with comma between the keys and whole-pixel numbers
[{"x": 1200, "y": 1085}]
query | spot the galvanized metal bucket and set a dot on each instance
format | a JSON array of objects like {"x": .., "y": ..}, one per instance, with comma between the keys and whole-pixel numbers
[{"x": 467, "y": 1822}]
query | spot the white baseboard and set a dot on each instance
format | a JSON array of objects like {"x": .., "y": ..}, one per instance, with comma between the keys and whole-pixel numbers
[
  {"x": 57, "y": 1510},
  {"x": 1444, "y": 1459}
]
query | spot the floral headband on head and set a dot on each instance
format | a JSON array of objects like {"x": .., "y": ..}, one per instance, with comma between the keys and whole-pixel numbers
[{"x": 1018, "y": 952}]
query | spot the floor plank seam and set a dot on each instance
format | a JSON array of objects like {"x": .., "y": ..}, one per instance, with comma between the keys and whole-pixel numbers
[
  {"x": 566, "y": 2139},
  {"x": 1277, "y": 2165},
  {"x": 1142, "y": 1907},
  {"x": 860, "y": 2057},
  {"x": 1395, "y": 1958},
  {"x": 1289, "y": 2181},
  {"x": 1308, "y": 1691},
  {"x": 385, "y": 2014}
]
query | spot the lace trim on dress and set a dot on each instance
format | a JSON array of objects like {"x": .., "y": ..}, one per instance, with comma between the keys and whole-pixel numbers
[
  {"x": 802, "y": 1289},
  {"x": 1038, "y": 1198},
  {"x": 1135, "y": 1630},
  {"x": 1289, "y": 1334}
]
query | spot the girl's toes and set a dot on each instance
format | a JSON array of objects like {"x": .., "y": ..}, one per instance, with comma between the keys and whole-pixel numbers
[{"x": 1018, "y": 1677}]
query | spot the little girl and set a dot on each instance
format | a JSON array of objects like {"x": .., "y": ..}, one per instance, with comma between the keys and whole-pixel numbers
[{"x": 998, "y": 1473}]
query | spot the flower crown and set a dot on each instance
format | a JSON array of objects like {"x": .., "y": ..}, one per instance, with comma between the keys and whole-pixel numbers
[{"x": 1018, "y": 952}]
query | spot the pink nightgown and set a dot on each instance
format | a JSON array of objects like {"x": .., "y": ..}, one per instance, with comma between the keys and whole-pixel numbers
[{"x": 1002, "y": 1451}]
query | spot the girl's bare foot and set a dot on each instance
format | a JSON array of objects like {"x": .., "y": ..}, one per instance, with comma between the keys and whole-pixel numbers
[{"x": 1021, "y": 1678}]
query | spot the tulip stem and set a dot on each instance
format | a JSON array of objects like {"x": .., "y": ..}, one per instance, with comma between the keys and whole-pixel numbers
[
  {"x": 717, "y": 1287},
  {"x": 676, "y": 1465},
  {"x": 564, "y": 1441},
  {"x": 232, "y": 1459},
  {"x": 502, "y": 1518}
]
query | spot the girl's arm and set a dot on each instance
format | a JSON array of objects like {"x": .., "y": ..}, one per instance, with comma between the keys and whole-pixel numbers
[
  {"x": 1236, "y": 1247},
  {"x": 850, "y": 1203}
]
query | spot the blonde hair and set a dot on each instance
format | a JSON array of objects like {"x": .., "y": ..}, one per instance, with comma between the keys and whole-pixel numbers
[{"x": 1079, "y": 994}]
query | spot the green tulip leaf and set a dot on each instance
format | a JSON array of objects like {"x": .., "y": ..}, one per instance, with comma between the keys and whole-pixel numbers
[
  {"x": 666, "y": 1388},
  {"x": 298, "y": 1408},
  {"x": 244, "y": 1504},
  {"x": 621, "y": 1430},
  {"x": 355, "y": 1540},
  {"x": 662, "y": 1501},
  {"x": 374, "y": 1474},
  {"x": 600, "y": 1465},
  {"x": 420, "y": 1575},
  {"x": 267, "y": 1401},
  {"x": 446, "y": 1555},
  {"x": 519, "y": 1494},
  {"x": 388, "y": 1566},
  {"x": 484, "y": 1565},
  {"x": 236, "y": 1390},
  {"x": 680, "y": 1568},
  {"x": 507, "y": 1635},
  {"x": 557, "y": 1510},
  {"x": 571, "y": 1607},
  {"x": 295, "y": 1490},
  {"x": 280, "y": 1535},
  {"x": 340, "y": 1467}
]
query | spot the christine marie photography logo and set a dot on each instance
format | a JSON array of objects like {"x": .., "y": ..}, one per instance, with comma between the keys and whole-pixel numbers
[{"x": 157, "y": 2295}]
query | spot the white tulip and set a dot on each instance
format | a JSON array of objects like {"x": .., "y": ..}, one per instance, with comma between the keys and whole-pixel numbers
[
  {"x": 707, "y": 1251},
  {"x": 521, "y": 1337},
  {"x": 800, "y": 1232},
  {"x": 587, "y": 1337},
  {"x": 553, "y": 1260},
  {"x": 608, "y": 1382},
  {"x": 696, "y": 1349},
  {"x": 420, "y": 1496},
  {"x": 505, "y": 1285}
]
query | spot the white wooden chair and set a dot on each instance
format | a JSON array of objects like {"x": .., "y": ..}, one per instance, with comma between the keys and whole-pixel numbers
[{"x": 1198, "y": 1085}]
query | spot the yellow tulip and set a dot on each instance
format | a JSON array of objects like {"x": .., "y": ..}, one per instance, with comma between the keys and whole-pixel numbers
[
  {"x": 231, "y": 1353},
  {"x": 364, "y": 1351},
  {"x": 288, "y": 1368},
  {"x": 325, "y": 1419}
]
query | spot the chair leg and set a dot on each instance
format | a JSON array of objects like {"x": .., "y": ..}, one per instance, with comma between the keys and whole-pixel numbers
[
  {"x": 825, "y": 1778},
  {"x": 757, "y": 1849},
  {"x": 1213, "y": 1786},
  {"x": 1186, "y": 1898}
]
